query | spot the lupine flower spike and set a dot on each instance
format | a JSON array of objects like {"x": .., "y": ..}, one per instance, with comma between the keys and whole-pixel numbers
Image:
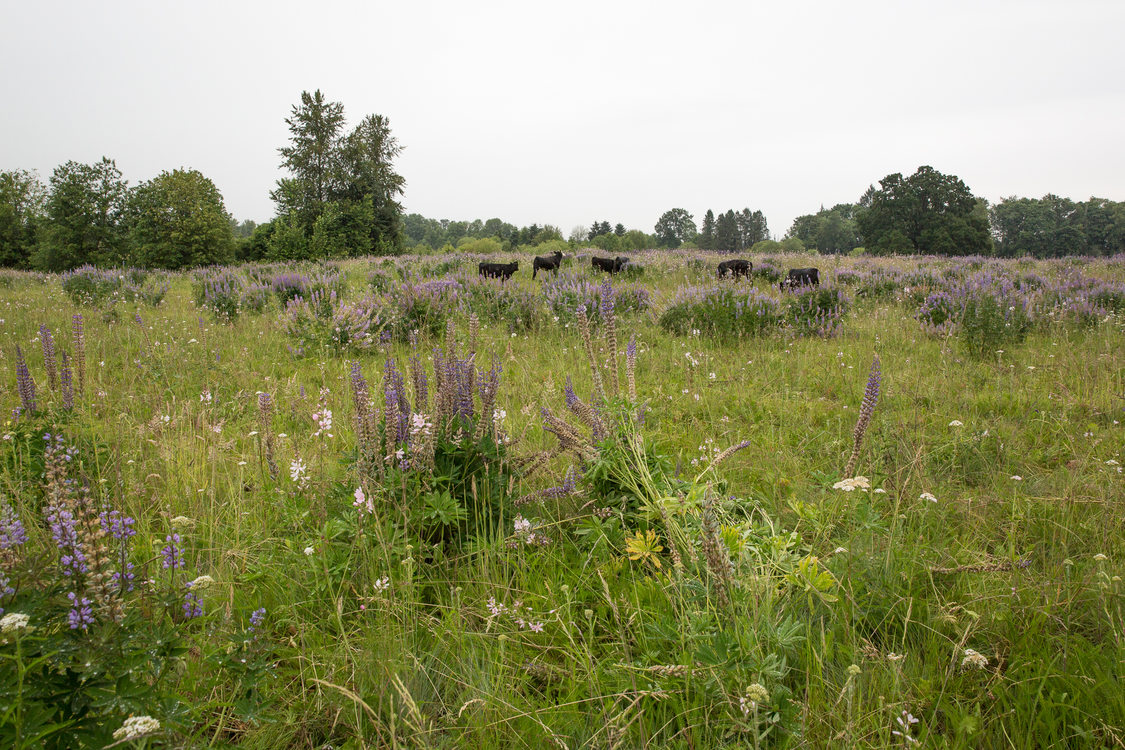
[{"x": 866, "y": 409}]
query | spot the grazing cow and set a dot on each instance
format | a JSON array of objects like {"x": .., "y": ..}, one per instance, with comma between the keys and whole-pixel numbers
[
  {"x": 799, "y": 277},
  {"x": 735, "y": 268},
  {"x": 546, "y": 262},
  {"x": 609, "y": 265},
  {"x": 502, "y": 271}
]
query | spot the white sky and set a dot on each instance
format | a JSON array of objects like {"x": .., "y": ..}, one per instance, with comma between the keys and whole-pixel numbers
[{"x": 567, "y": 113}]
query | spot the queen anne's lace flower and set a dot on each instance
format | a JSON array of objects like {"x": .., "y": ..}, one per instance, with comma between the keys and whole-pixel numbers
[{"x": 13, "y": 622}]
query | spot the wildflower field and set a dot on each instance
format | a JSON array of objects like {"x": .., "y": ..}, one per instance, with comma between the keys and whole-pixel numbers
[{"x": 386, "y": 503}]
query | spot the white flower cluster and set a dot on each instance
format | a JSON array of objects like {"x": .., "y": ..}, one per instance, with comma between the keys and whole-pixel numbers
[
  {"x": 135, "y": 727},
  {"x": 974, "y": 660},
  {"x": 13, "y": 622},
  {"x": 525, "y": 532},
  {"x": 853, "y": 484}
]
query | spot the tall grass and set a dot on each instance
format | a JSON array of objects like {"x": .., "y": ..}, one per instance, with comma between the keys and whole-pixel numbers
[{"x": 612, "y": 586}]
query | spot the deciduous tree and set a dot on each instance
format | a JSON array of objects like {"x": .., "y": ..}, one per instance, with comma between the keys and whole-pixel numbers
[
  {"x": 178, "y": 220},
  {"x": 83, "y": 217},
  {"x": 931, "y": 211},
  {"x": 22, "y": 200},
  {"x": 674, "y": 228}
]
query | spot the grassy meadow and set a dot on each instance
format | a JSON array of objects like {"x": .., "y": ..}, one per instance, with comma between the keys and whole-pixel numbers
[{"x": 448, "y": 566}]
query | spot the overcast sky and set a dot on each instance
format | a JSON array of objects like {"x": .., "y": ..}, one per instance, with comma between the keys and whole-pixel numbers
[{"x": 567, "y": 113}]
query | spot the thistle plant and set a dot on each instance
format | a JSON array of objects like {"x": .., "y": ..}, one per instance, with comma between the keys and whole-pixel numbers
[
  {"x": 48, "y": 343},
  {"x": 866, "y": 409}
]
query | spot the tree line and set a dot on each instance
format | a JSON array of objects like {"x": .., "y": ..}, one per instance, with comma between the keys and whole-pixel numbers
[
  {"x": 341, "y": 199},
  {"x": 933, "y": 213}
]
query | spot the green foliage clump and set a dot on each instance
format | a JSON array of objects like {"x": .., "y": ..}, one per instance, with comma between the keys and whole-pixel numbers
[
  {"x": 817, "y": 310},
  {"x": 517, "y": 308},
  {"x": 991, "y": 319},
  {"x": 481, "y": 246},
  {"x": 721, "y": 311},
  {"x": 96, "y": 287},
  {"x": 322, "y": 322}
]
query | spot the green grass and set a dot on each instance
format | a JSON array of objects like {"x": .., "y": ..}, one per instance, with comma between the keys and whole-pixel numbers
[{"x": 631, "y": 653}]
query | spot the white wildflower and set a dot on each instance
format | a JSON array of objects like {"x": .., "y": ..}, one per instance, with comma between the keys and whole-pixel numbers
[
  {"x": 299, "y": 472},
  {"x": 382, "y": 584},
  {"x": 13, "y": 622},
  {"x": 136, "y": 727},
  {"x": 927, "y": 496},
  {"x": 974, "y": 660},
  {"x": 1017, "y": 478},
  {"x": 956, "y": 423},
  {"x": 202, "y": 582},
  {"x": 309, "y": 551},
  {"x": 852, "y": 484}
]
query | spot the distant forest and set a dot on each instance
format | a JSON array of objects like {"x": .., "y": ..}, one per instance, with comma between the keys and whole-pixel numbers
[{"x": 341, "y": 199}]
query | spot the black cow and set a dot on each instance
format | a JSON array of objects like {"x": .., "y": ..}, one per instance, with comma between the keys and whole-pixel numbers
[
  {"x": 546, "y": 262},
  {"x": 609, "y": 265},
  {"x": 799, "y": 277},
  {"x": 502, "y": 271},
  {"x": 735, "y": 268}
]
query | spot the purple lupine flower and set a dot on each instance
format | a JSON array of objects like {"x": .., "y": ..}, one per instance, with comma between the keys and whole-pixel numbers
[
  {"x": 64, "y": 530},
  {"x": 120, "y": 527},
  {"x": 81, "y": 615},
  {"x": 568, "y": 392},
  {"x": 257, "y": 617},
  {"x": 117, "y": 525},
  {"x": 192, "y": 607},
  {"x": 172, "y": 553},
  {"x": 606, "y": 295},
  {"x": 48, "y": 342},
  {"x": 24, "y": 384},
  {"x": 12, "y": 532}
]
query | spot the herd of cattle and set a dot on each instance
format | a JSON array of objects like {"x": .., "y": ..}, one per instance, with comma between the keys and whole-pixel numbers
[{"x": 797, "y": 277}]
